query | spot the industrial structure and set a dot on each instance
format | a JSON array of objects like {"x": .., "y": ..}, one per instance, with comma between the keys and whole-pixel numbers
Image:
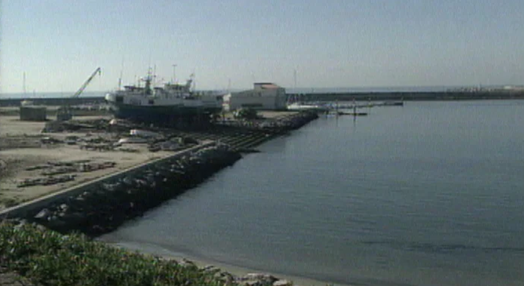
[
  {"x": 264, "y": 96},
  {"x": 30, "y": 112},
  {"x": 64, "y": 112}
]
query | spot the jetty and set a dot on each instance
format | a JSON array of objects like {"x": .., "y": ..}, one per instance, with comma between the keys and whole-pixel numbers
[{"x": 452, "y": 94}]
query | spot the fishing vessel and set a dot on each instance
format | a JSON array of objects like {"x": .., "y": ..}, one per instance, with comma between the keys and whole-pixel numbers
[{"x": 171, "y": 104}]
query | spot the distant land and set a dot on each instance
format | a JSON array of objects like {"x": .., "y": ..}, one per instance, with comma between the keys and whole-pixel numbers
[
  {"x": 298, "y": 90},
  {"x": 310, "y": 94}
]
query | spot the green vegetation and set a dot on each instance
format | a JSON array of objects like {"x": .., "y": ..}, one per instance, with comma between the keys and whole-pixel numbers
[{"x": 49, "y": 258}]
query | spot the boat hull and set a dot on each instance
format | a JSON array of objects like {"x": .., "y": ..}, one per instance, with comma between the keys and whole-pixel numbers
[{"x": 161, "y": 115}]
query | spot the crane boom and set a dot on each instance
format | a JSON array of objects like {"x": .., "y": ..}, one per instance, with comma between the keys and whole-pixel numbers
[{"x": 77, "y": 94}]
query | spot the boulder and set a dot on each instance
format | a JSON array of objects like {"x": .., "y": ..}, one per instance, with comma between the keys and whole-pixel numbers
[
  {"x": 64, "y": 207},
  {"x": 282, "y": 283},
  {"x": 260, "y": 277},
  {"x": 253, "y": 283},
  {"x": 43, "y": 214}
]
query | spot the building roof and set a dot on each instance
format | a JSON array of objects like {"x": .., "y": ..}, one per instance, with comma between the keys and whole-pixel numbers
[{"x": 267, "y": 85}]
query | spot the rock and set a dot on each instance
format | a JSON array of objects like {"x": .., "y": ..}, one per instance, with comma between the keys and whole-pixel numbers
[
  {"x": 54, "y": 217},
  {"x": 41, "y": 227},
  {"x": 210, "y": 269},
  {"x": 226, "y": 277},
  {"x": 260, "y": 277},
  {"x": 20, "y": 223},
  {"x": 282, "y": 283},
  {"x": 23, "y": 221},
  {"x": 253, "y": 283},
  {"x": 43, "y": 214},
  {"x": 187, "y": 263}
]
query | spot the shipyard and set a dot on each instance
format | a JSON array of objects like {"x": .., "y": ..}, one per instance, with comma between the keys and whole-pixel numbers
[
  {"x": 92, "y": 166},
  {"x": 51, "y": 144},
  {"x": 81, "y": 164}
]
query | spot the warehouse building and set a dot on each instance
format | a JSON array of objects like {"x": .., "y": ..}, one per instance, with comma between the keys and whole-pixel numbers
[
  {"x": 264, "y": 96},
  {"x": 30, "y": 112}
]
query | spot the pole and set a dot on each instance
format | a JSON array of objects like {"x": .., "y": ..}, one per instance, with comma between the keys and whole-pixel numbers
[
  {"x": 24, "y": 86},
  {"x": 174, "y": 73},
  {"x": 295, "y": 79}
]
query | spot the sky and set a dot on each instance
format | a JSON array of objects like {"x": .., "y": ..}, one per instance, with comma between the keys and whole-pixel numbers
[{"x": 233, "y": 43}]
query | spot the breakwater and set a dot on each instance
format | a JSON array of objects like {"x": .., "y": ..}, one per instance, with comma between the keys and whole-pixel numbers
[
  {"x": 322, "y": 96},
  {"x": 104, "y": 206},
  {"x": 381, "y": 96}
]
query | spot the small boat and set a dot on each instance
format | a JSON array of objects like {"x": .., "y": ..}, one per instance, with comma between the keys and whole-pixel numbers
[
  {"x": 394, "y": 103},
  {"x": 353, "y": 113}
]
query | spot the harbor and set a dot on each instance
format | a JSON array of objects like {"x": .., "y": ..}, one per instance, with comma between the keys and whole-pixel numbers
[
  {"x": 257, "y": 143},
  {"x": 91, "y": 174},
  {"x": 387, "y": 199},
  {"x": 90, "y": 167},
  {"x": 40, "y": 159}
]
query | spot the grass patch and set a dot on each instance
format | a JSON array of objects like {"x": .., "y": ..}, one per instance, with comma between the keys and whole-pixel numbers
[{"x": 49, "y": 258}]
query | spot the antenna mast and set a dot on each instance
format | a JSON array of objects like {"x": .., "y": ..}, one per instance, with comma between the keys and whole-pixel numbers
[
  {"x": 121, "y": 74},
  {"x": 174, "y": 73},
  {"x": 295, "y": 78},
  {"x": 24, "y": 86}
]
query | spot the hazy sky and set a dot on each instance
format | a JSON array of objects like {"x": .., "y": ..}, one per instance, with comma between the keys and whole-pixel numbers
[{"x": 330, "y": 43}]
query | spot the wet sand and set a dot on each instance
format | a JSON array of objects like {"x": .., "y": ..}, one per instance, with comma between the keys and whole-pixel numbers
[{"x": 203, "y": 262}]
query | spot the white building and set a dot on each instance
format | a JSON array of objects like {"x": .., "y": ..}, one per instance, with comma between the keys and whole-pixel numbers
[{"x": 265, "y": 95}]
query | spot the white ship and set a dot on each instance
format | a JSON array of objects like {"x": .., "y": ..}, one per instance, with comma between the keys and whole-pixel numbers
[{"x": 167, "y": 105}]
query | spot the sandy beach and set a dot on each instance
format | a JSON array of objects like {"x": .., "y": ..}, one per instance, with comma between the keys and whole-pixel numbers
[{"x": 203, "y": 262}]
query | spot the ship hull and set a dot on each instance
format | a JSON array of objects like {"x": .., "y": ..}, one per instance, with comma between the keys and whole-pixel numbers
[{"x": 162, "y": 115}]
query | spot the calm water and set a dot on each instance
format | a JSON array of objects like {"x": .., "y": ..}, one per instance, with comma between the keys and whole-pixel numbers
[{"x": 426, "y": 194}]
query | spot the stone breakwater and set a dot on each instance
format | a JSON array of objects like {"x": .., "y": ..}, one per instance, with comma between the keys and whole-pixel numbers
[{"x": 105, "y": 206}]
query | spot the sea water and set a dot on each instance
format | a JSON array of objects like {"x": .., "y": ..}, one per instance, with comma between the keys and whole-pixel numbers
[{"x": 431, "y": 193}]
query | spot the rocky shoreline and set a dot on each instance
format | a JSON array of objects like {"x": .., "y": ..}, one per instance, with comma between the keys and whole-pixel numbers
[{"x": 105, "y": 206}]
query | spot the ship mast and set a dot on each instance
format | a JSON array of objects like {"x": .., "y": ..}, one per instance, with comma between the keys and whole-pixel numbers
[
  {"x": 174, "y": 74},
  {"x": 24, "y": 87},
  {"x": 147, "y": 88}
]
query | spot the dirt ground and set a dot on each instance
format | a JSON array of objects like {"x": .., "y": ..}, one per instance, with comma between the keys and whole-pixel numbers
[{"x": 21, "y": 147}]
